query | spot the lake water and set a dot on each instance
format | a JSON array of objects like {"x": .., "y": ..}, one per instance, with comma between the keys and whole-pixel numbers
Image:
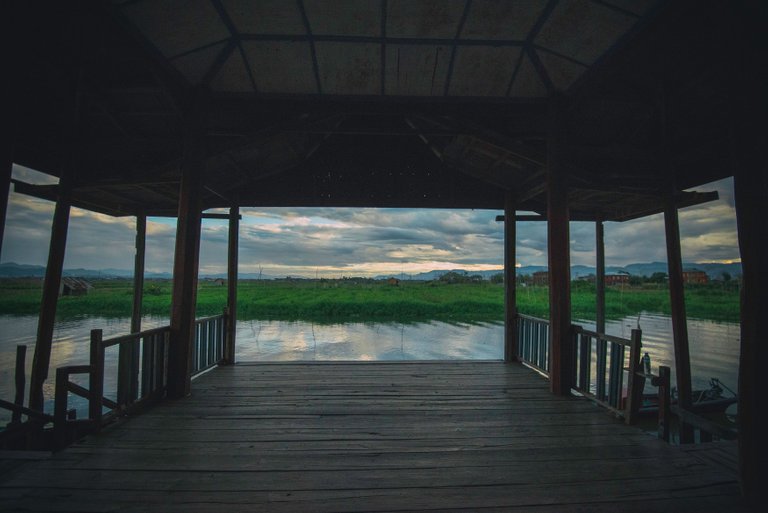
[{"x": 714, "y": 345}]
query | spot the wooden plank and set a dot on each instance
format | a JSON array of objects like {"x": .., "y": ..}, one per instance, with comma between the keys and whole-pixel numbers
[
  {"x": 558, "y": 254},
  {"x": 510, "y": 281},
  {"x": 679, "y": 319},
  {"x": 461, "y": 436}
]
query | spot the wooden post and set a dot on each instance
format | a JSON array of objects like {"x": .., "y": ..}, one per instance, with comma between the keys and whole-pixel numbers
[
  {"x": 663, "y": 384},
  {"x": 96, "y": 379},
  {"x": 186, "y": 257},
  {"x": 129, "y": 353},
  {"x": 9, "y": 100},
  {"x": 562, "y": 350},
  {"x": 138, "y": 272},
  {"x": 679, "y": 321},
  {"x": 6, "y": 167},
  {"x": 602, "y": 346},
  {"x": 232, "y": 260},
  {"x": 751, "y": 191},
  {"x": 60, "y": 427},
  {"x": 21, "y": 358},
  {"x": 47, "y": 318},
  {"x": 635, "y": 382},
  {"x": 510, "y": 280},
  {"x": 748, "y": 133}
]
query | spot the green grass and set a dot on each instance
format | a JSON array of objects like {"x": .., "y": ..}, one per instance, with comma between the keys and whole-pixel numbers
[{"x": 335, "y": 301}]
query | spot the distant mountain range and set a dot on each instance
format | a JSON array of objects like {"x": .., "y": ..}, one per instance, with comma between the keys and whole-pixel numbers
[
  {"x": 713, "y": 270},
  {"x": 13, "y": 270}
]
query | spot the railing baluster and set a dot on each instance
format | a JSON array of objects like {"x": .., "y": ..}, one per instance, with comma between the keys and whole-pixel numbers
[{"x": 585, "y": 362}]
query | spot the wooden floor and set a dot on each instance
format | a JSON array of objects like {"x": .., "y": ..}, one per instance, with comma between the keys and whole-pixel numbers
[{"x": 371, "y": 437}]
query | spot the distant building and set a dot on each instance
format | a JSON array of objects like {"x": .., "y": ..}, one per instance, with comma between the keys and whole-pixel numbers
[
  {"x": 220, "y": 281},
  {"x": 74, "y": 287},
  {"x": 616, "y": 278},
  {"x": 393, "y": 281},
  {"x": 695, "y": 276},
  {"x": 541, "y": 278}
]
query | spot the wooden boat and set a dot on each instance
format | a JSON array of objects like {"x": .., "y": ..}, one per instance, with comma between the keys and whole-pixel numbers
[{"x": 711, "y": 400}]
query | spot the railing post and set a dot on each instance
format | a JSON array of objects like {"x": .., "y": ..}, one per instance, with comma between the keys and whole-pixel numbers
[
  {"x": 585, "y": 362},
  {"x": 663, "y": 384},
  {"x": 96, "y": 384},
  {"x": 60, "y": 428},
  {"x": 635, "y": 382},
  {"x": 21, "y": 357}
]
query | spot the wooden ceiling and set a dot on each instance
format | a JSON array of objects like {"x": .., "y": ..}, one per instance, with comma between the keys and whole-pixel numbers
[{"x": 373, "y": 103}]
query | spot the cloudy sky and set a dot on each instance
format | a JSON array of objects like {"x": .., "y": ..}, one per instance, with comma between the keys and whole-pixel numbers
[{"x": 359, "y": 242}]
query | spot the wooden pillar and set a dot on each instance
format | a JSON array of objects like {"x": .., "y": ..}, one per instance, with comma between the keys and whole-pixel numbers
[
  {"x": 679, "y": 320},
  {"x": 602, "y": 345},
  {"x": 128, "y": 370},
  {"x": 751, "y": 198},
  {"x": 47, "y": 318},
  {"x": 510, "y": 280},
  {"x": 138, "y": 272},
  {"x": 599, "y": 277},
  {"x": 234, "y": 237},
  {"x": 185, "y": 265},
  {"x": 8, "y": 97},
  {"x": 558, "y": 243},
  {"x": 6, "y": 167},
  {"x": 748, "y": 133}
]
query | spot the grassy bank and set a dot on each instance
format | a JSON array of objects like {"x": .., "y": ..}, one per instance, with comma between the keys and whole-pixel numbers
[{"x": 349, "y": 300}]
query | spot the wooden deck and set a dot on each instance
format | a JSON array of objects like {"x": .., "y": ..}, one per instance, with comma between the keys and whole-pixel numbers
[{"x": 371, "y": 437}]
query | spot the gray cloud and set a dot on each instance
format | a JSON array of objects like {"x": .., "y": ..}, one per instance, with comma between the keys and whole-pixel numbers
[{"x": 361, "y": 241}]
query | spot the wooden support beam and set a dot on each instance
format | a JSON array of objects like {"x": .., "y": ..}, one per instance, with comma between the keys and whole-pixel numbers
[
  {"x": 232, "y": 260},
  {"x": 47, "y": 317},
  {"x": 6, "y": 167},
  {"x": 9, "y": 102},
  {"x": 602, "y": 346},
  {"x": 185, "y": 265},
  {"x": 138, "y": 272},
  {"x": 129, "y": 354},
  {"x": 510, "y": 281},
  {"x": 558, "y": 242},
  {"x": 600, "y": 277},
  {"x": 679, "y": 320},
  {"x": 748, "y": 133},
  {"x": 751, "y": 192}
]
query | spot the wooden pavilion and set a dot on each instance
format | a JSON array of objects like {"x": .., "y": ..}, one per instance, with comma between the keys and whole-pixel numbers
[{"x": 589, "y": 110}]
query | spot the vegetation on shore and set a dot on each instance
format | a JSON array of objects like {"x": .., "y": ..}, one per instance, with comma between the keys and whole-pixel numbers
[{"x": 369, "y": 300}]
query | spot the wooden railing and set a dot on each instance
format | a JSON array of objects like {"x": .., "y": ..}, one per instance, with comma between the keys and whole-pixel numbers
[
  {"x": 600, "y": 365},
  {"x": 706, "y": 428},
  {"x": 142, "y": 370},
  {"x": 597, "y": 373},
  {"x": 533, "y": 342},
  {"x": 208, "y": 347}
]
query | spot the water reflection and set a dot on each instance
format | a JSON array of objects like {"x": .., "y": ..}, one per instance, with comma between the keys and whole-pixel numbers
[
  {"x": 714, "y": 345},
  {"x": 278, "y": 340}
]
